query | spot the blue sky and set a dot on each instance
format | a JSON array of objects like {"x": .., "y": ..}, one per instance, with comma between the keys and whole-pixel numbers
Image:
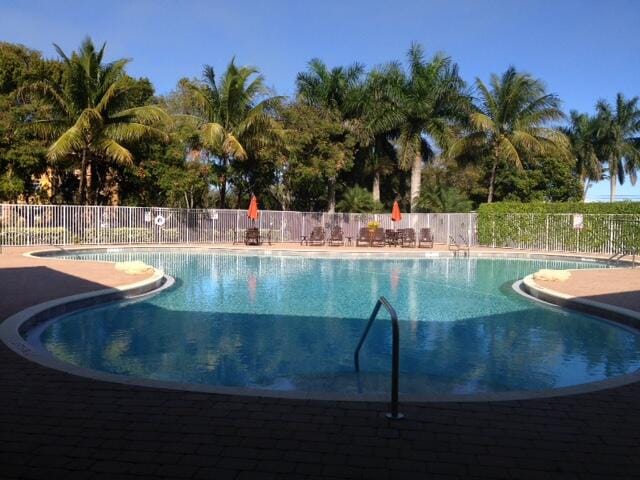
[{"x": 583, "y": 49}]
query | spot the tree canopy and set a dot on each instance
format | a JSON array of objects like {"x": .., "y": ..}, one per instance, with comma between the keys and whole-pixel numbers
[{"x": 81, "y": 129}]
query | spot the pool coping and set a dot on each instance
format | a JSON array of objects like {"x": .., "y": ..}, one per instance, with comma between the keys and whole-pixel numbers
[
  {"x": 14, "y": 329},
  {"x": 614, "y": 313}
]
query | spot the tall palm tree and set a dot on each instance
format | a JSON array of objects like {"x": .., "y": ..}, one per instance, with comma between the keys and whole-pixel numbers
[
  {"x": 510, "y": 121},
  {"x": 335, "y": 89},
  {"x": 92, "y": 119},
  {"x": 373, "y": 126},
  {"x": 235, "y": 116},
  {"x": 422, "y": 107},
  {"x": 582, "y": 135},
  {"x": 618, "y": 134},
  {"x": 338, "y": 90}
]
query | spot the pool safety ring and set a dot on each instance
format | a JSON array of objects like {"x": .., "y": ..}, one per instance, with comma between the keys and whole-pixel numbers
[{"x": 159, "y": 221}]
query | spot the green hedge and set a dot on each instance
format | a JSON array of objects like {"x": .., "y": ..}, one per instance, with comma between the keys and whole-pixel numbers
[
  {"x": 607, "y": 227},
  {"x": 564, "y": 207}
]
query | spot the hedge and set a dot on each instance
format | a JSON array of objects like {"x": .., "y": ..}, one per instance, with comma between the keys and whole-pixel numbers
[
  {"x": 564, "y": 207},
  {"x": 607, "y": 227}
]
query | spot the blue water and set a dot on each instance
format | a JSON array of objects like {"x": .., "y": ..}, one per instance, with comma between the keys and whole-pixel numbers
[{"x": 292, "y": 323}]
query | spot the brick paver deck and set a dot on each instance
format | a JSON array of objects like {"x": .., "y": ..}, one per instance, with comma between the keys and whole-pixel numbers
[{"x": 54, "y": 425}]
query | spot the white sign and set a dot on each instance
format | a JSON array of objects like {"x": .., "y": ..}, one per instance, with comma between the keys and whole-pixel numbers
[{"x": 578, "y": 221}]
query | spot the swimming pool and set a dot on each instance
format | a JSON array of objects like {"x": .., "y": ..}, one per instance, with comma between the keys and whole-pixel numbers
[{"x": 291, "y": 323}]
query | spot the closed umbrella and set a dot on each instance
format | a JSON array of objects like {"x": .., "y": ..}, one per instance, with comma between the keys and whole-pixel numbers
[
  {"x": 252, "y": 213},
  {"x": 396, "y": 216}
]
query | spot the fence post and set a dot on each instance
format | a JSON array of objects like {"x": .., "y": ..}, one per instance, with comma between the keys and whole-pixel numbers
[
  {"x": 188, "y": 217},
  {"x": 493, "y": 232},
  {"x": 546, "y": 241},
  {"x": 469, "y": 230},
  {"x": 65, "y": 237},
  {"x": 448, "y": 226},
  {"x": 282, "y": 226}
]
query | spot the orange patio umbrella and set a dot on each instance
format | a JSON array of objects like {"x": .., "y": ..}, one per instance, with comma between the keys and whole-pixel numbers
[
  {"x": 396, "y": 216},
  {"x": 252, "y": 213}
]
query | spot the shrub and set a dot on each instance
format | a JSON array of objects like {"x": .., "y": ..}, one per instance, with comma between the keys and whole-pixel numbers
[{"x": 607, "y": 227}]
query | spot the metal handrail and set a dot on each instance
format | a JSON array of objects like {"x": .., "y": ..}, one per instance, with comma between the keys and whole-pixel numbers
[{"x": 395, "y": 353}]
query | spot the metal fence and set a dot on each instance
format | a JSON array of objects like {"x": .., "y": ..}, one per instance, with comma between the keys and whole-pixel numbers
[
  {"x": 586, "y": 233},
  {"x": 106, "y": 225}
]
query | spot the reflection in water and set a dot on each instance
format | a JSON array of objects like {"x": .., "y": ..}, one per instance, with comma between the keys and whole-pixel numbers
[{"x": 293, "y": 323}]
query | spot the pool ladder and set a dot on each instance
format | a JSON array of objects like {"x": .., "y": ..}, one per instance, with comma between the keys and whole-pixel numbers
[{"x": 395, "y": 353}]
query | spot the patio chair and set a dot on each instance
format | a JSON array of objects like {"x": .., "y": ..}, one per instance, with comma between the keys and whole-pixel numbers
[
  {"x": 409, "y": 237},
  {"x": 456, "y": 247},
  {"x": 317, "y": 236},
  {"x": 336, "y": 237},
  {"x": 363, "y": 237},
  {"x": 252, "y": 236},
  {"x": 425, "y": 238},
  {"x": 391, "y": 237},
  {"x": 379, "y": 238}
]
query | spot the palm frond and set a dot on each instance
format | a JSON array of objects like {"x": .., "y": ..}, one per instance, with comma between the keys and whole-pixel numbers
[{"x": 114, "y": 151}]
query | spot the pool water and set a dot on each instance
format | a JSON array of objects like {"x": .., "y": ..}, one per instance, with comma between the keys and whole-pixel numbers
[{"x": 293, "y": 322}]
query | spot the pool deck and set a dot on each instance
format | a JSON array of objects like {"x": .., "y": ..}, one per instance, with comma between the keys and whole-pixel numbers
[{"x": 55, "y": 425}]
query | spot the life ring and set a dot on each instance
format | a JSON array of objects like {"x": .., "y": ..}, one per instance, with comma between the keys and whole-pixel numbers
[{"x": 159, "y": 220}]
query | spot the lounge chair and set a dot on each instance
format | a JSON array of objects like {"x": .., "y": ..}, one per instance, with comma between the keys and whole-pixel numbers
[
  {"x": 317, "y": 236},
  {"x": 391, "y": 237},
  {"x": 408, "y": 237},
  {"x": 457, "y": 247},
  {"x": 426, "y": 238},
  {"x": 379, "y": 238},
  {"x": 252, "y": 236},
  {"x": 363, "y": 237},
  {"x": 336, "y": 237}
]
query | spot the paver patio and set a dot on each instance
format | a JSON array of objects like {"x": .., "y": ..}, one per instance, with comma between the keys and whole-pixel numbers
[{"x": 54, "y": 425}]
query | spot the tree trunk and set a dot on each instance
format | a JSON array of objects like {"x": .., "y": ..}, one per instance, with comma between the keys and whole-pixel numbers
[
  {"x": 91, "y": 183},
  {"x": 82, "y": 192},
  {"x": 614, "y": 184},
  {"x": 223, "y": 184},
  {"x": 585, "y": 188},
  {"x": 331, "y": 194},
  {"x": 492, "y": 180},
  {"x": 375, "y": 190},
  {"x": 416, "y": 173},
  {"x": 223, "y": 191}
]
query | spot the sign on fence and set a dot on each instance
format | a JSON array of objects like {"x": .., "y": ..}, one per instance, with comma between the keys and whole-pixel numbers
[{"x": 578, "y": 221}]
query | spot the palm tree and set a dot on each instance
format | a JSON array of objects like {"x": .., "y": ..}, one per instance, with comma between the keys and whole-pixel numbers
[
  {"x": 425, "y": 104},
  {"x": 92, "y": 117},
  {"x": 582, "y": 135},
  {"x": 509, "y": 122},
  {"x": 373, "y": 126},
  {"x": 358, "y": 200},
  {"x": 338, "y": 90},
  {"x": 235, "y": 116},
  {"x": 335, "y": 89},
  {"x": 441, "y": 199},
  {"x": 619, "y": 143}
]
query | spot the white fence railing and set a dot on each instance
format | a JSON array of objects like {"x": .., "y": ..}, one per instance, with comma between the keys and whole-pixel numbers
[
  {"x": 105, "y": 225},
  {"x": 587, "y": 233}
]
